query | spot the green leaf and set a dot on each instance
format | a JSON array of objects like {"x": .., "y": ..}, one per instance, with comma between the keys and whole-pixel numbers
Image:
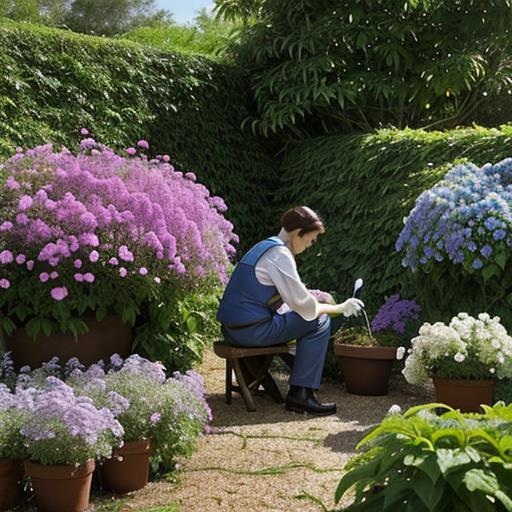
[
  {"x": 397, "y": 490},
  {"x": 490, "y": 271},
  {"x": 451, "y": 459},
  {"x": 368, "y": 470},
  {"x": 191, "y": 324},
  {"x": 501, "y": 259},
  {"x": 33, "y": 327},
  {"x": 47, "y": 326}
]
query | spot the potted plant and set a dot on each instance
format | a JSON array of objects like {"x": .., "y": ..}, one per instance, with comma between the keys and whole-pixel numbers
[
  {"x": 94, "y": 242},
  {"x": 367, "y": 353},
  {"x": 421, "y": 461},
  {"x": 63, "y": 435},
  {"x": 163, "y": 416},
  {"x": 464, "y": 359},
  {"x": 12, "y": 451}
]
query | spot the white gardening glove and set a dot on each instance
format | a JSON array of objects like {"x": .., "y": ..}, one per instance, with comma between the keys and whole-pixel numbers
[{"x": 349, "y": 308}]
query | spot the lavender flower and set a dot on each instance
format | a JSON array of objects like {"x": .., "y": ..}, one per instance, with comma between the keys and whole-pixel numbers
[{"x": 62, "y": 428}]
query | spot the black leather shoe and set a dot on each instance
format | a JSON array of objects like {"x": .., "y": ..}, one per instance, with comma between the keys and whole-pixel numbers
[{"x": 302, "y": 400}]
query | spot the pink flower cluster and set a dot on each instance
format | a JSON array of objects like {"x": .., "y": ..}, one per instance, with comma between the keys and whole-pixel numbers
[{"x": 74, "y": 216}]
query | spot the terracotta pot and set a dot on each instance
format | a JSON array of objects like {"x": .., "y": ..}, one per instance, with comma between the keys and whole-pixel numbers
[
  {"x": 11, "y": 477},
  {"x": 61, "y": 488},
  {"x": 464, "y": 394},
  {"x": 366, "y": 369},
  {"x": 107, "y": 337},
  {"x": 128, "y": 469}
]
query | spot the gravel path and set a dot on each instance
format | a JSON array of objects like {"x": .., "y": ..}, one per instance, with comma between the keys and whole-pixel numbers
[{"x": 269, "y": 460}]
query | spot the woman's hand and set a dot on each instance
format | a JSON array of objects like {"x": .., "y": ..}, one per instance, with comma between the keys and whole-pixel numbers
[{"x": 350, "y": 307}]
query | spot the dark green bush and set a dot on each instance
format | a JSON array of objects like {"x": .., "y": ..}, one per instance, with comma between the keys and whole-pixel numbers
[
  {"x": 54, "y": 82},
  {"x": 364, "y": 186}
]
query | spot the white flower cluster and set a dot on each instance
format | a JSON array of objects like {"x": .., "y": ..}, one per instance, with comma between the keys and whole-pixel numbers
[{"x": 483, "y": 339}]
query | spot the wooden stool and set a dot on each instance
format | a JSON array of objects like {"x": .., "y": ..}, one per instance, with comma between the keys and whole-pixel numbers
[{"x": 234, "y": 356}]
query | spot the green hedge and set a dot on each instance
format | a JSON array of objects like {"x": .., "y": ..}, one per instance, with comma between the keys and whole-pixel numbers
[
  {"x": 364, "y": 186},
  {"x": 54, "y": 82}
]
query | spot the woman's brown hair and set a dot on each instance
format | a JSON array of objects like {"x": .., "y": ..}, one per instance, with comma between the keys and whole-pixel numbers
[{"x": 303, "y": 218}]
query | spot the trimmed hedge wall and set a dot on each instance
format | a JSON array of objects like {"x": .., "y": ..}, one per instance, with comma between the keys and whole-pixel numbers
[
  {"x": 364, "y": 186},
  {"x": 54, "y": 82}
]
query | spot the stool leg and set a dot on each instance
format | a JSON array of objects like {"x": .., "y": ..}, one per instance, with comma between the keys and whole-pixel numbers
[
  {"x": 229, "y": 380},
  {"x": 249, "y": 402}
]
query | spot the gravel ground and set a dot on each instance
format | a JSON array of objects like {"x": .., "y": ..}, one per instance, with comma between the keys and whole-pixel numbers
[
  {"x": 264, "y": 461},
  {"x": 268, "y": 460}
]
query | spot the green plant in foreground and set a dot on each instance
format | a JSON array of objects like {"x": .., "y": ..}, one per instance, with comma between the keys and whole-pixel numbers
[{"x": 422, "y": 462}]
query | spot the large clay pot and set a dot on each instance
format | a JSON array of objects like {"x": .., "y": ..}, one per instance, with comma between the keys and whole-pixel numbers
[
  {"x": 466, "y": 395},
  {"x": 366, "y": 369},
  {"x": 106, "y": 337},
  {"x": 11, "y": 476},
  {"x": 128, "y": 469},
  {"x": 61, "y": 488}
]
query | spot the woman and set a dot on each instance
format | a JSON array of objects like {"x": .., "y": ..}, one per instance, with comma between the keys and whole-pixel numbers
[{"x": 265, "y": 278}]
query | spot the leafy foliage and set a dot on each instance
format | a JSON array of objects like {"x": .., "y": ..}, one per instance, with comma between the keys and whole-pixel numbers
[
  {"x": 420, "y": 462},
  {"x": 178, "y": 332},
  {"x": 357, "y": 65},
  {"x": 364, "y": 186},
  {"x": 57, "y": 82}
]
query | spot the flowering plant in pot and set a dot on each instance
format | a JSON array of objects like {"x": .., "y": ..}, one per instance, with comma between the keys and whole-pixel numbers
[
  {"x": 99, "y": 235},
  {"x": 12, "y": 450},
  {"x": 63, "y": 435},
  {"x": 163, "y": 416},
  {"x": 464, "y": 358},
  {"x": 367, "y": 352}
]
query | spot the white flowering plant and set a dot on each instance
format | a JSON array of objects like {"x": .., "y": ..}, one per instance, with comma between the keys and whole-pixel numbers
[{"x": 466, "y": 348}]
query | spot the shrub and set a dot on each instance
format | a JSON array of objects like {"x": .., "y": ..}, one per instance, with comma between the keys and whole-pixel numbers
[
  {"x": 419, "y": 461},
  {"x": 356, "y": 66},
  {"x": 463, "y": 227},
  {"x": 98, "y": 233}
]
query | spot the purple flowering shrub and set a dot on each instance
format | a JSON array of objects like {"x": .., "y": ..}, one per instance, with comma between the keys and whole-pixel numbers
[
  {"x": 460, "y": 234},
  {"x": 99, "y": 406},
  {"x": 59, "y": 427},
  {"x": 98, "y": 233},
  {"x": 171, "y": 411}
]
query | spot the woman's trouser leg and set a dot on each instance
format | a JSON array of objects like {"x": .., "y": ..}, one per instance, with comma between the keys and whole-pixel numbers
[{"x": 312, "y": 343}]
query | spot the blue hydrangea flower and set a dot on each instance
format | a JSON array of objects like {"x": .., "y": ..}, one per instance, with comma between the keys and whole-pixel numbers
[{"x": 465, "y": 214}]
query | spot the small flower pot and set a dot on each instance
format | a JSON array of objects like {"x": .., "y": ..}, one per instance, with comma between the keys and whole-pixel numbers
[
  {"x": 11, "y": 489},
  {"x": 464, "y": 394},
  {"x": 61, "y": 488},
  {"x": 366, "y": 369},
  {"x": 128, "y": 469}
]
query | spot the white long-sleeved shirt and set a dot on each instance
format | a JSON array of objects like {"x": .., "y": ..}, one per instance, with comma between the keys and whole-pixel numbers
[{"x": 277, "y": 268}]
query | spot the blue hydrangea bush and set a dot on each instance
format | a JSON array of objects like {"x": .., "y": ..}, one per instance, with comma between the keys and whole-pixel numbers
[{"x": 460, "y": 234}]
